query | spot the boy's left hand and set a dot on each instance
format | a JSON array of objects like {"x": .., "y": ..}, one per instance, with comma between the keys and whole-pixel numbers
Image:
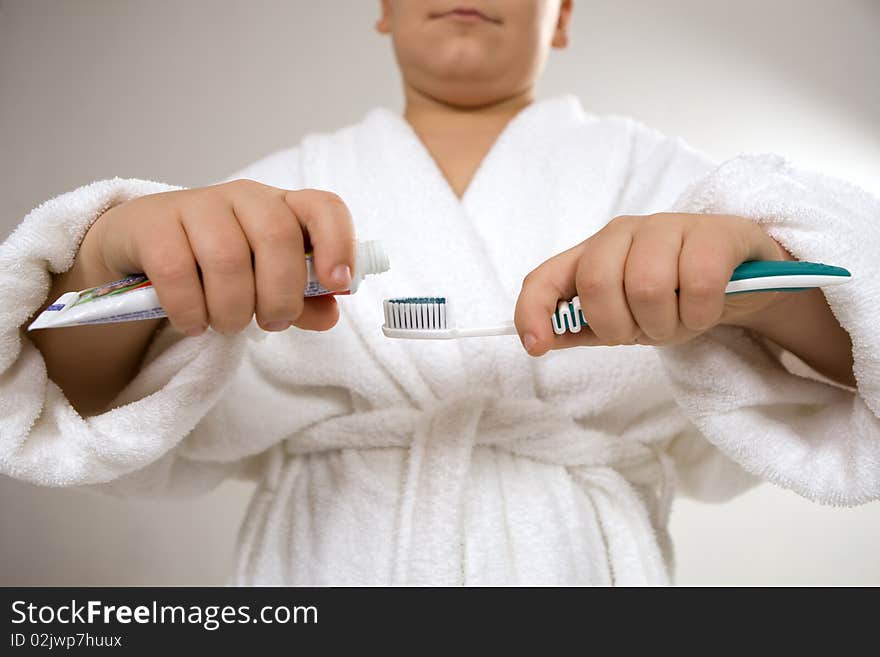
[{"x": 654, "y": 280}]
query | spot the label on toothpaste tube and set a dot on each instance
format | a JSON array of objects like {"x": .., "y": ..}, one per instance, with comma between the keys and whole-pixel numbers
[
  {"x": 152, "y": 313},
  {"x": 129, "y": 299},
  {"x": 127, "y": 284}
]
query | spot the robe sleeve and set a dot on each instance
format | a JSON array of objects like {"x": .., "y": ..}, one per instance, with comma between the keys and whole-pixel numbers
[
  {"x": 179, "y": 396},
  {"x": 660, "y": 169},
  {"x": 815, "y": 438}
]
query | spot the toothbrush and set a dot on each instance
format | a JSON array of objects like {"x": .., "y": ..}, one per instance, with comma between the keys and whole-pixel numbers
[{"x": 429, "y": 318}]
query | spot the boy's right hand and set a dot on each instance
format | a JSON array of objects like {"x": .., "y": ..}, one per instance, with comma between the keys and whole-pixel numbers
[{"x": 216, "y": 255}]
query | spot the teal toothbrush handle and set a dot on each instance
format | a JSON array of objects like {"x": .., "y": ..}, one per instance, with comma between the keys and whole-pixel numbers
[
  {"x": 751, "y": 276},
  {"x": 784, "y": 275}
]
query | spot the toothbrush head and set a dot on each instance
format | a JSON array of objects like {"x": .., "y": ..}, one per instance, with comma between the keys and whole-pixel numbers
[{"x": 426, "y": 318}]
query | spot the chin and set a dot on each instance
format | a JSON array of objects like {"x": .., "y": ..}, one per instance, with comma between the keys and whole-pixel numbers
[
  {"x": 467, "y": 71},
  {"x": 464, "y": 60}
]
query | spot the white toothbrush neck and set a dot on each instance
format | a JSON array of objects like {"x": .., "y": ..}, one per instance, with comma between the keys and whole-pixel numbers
[{"x": 501, "y": 329}]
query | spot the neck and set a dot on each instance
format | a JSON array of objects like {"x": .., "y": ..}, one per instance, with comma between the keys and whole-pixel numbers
[
  {"x": 458, "y": 138},
  {"x": 431, "y": 115}
]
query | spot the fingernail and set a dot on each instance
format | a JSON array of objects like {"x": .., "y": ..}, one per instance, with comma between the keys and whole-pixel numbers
[
  {"x": 342, "y": 275},
  {"x": 529, "y": 341},
  {"x": 276, "y": 326}
]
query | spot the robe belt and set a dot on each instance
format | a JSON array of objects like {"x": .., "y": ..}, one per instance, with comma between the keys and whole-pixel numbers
[
  {"x": 525, "y": 427},
  {"x": 440, "y": 440}
]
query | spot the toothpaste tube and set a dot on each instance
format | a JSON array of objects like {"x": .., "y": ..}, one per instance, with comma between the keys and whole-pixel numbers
[{"x": 134, "y": 297}]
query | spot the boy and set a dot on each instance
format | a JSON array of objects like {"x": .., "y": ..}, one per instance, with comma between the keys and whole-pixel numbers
[{"x": 460, "y": 462}]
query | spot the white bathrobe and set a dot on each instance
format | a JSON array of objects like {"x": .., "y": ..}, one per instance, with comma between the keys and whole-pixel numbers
[{"x": 467, "y": 462}]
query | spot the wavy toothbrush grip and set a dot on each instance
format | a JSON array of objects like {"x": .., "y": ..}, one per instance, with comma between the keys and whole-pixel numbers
[{"x": 751, "y": 276}]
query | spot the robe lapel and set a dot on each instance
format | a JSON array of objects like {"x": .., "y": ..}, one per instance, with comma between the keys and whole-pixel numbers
[{"x": 474, "y": 250}]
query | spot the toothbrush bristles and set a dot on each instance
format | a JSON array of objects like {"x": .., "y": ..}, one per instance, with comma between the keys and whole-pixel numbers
[{"x": 416, "y": 313}]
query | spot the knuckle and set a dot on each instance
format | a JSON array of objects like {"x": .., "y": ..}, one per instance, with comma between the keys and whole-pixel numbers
[
  {"x": 333, "y": 200},
  {"x": 699, "y": 319},
  {"x": 701, "y": 287},
  {"x": 530, "y": 279},
  {"x": 647, "y": 290},
  {"x": 280, "y": 230},
  {"x": 335, "y": 204},
  {"x": 591, "y": 284},
  {"x": 321, "y": 198},
  {"x": 702, "y": 275},
  {"x": 168, "y": 269},
  {"x": 285, "y": 305},
  {"x": 617, "y": 332},
  {"x": 243, "y": 185},
  {"x": 227, "y": 261}
]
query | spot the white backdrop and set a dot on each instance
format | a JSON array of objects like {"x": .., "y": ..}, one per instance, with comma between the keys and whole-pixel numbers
[{"x": 188, "y": 91}]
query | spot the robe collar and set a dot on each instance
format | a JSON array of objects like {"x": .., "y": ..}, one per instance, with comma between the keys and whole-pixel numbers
[{"x": 474, "y": 249}]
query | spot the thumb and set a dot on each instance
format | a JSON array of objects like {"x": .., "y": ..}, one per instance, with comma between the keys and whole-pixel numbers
[{"x": 541, "y": 290}]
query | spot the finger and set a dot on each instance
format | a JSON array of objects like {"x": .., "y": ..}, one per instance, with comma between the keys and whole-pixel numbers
[
  {"x": 713, "y": 247},
  {"x": 168, "y": 261},
  {"x": 328, "y": 223},
  {"x": 319, "y": 314},
  {"x": 759, "y": 245},
  {"x": 276, "y": 239},
  {"x": 224, "y": 256},
  {"x": 600, "y": 286},
  {"x": 541, "y": 291},
  {"x": 651, "y": 278},
  {"x": 708, "y": 258}
]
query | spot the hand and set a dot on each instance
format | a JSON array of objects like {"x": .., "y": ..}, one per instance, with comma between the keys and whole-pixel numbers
[
  {"x": 654, "y": 280},
  {"x": 216, "y": 255}
]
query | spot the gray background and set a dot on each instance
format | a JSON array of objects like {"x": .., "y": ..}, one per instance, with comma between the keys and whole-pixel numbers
[{"x": 188, "y": 91}]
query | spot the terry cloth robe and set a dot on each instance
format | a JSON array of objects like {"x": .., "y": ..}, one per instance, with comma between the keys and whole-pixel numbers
[{"x": 385, "y": 461}]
